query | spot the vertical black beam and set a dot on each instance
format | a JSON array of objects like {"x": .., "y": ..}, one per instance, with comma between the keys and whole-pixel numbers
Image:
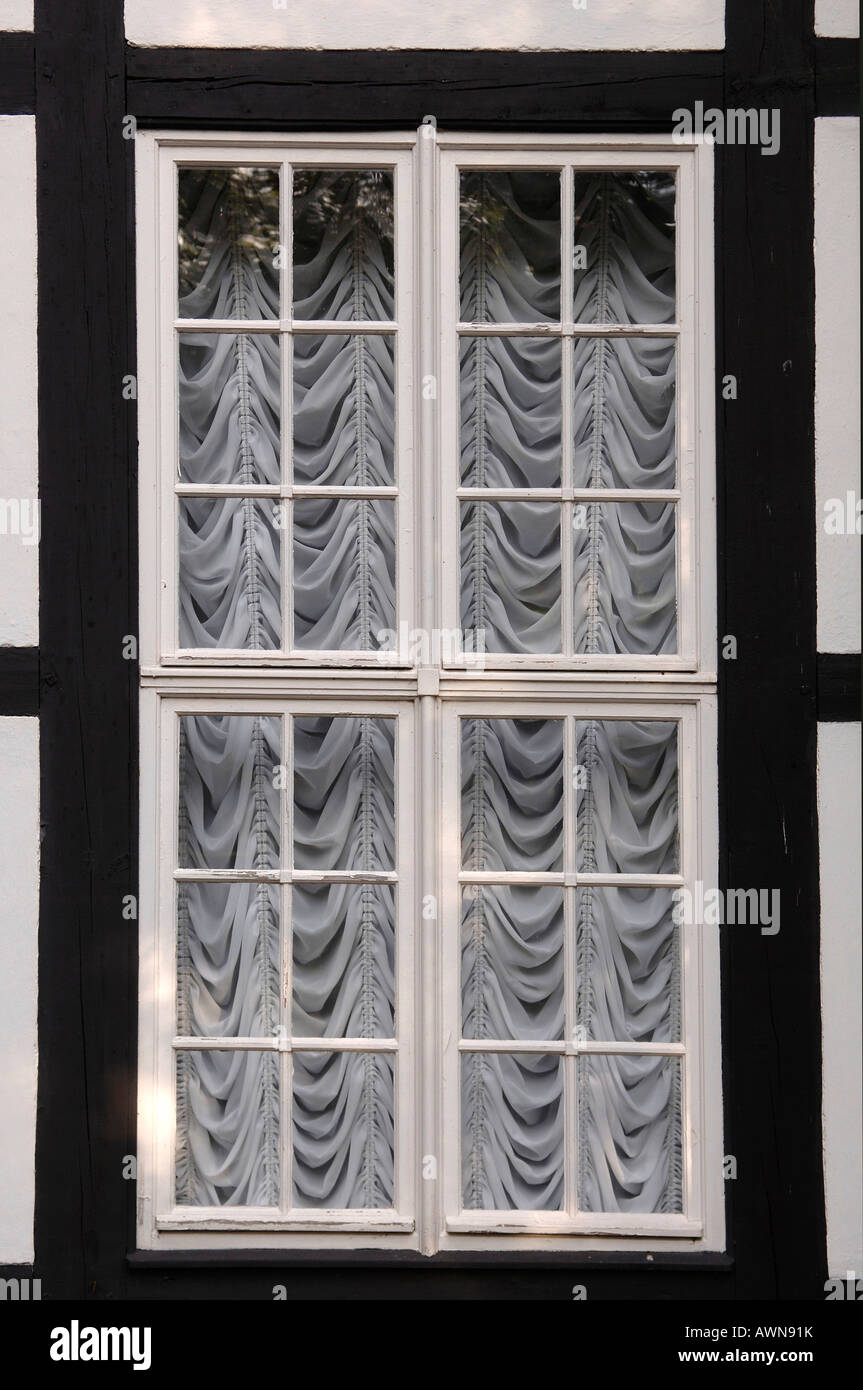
[
  {"x": 17, "y": 75},
  {"x": 767, "y": 696},
  {"x": 87, "y": 606},
  {"x": 837, "y": 77}
]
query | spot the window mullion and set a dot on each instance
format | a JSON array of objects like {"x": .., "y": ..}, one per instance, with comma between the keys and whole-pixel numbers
[
  {"x": 428, "y": 992},
  {"x": 570, "y": 985},
  {"x": 287, "y": 947},
  {"x": 567, "y": 239}
]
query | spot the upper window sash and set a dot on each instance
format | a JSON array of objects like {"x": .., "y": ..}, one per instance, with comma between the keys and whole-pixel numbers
[
  {"x": 557, "y": 342},
  {"x": 176, "y": 343},
  {"x": 427, "y": 334}
]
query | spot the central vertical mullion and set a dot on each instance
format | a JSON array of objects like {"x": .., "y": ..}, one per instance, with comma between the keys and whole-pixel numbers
[
  {"x": 286, "y": 241},
  {"x": 286, "y": 1056},
  {"x": 428, "y": 325},
  {"x": 569, "y": 959},
  {"x": 567, "y": 236},
  {"x": 170, "y": 424}
]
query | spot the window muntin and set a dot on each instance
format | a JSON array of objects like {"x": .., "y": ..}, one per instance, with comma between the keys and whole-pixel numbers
[{"x": 562, "y": 1045}]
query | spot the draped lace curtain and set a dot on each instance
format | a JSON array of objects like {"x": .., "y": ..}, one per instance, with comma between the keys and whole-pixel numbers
[{"x": 247, "y": 583}]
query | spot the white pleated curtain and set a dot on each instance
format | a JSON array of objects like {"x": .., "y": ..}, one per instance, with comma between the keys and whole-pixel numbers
[{"x": 229, "y": 1107}]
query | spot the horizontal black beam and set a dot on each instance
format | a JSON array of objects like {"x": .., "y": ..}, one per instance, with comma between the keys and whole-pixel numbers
[
  {"x": 285, "y": 89},
  {"x": 838, "y": 686},
  {"x": 164, "y": 1260},
  {"x": 837, "y": 77},
  {"x": 19, "y": 680},
  {"x": 17, "y": 75}
]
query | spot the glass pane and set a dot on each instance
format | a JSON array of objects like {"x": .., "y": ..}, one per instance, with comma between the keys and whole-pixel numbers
[
  {"x": 512, "y": 794},
  {"x": 510, "y": 412},
  {"x": 344, "y": 410},
  {"x": 229, "y": 800},
  {"x": 624, "y": 256},
  {"x": 510, "y": 576},
  {"x": 227, "y": 1147},
  {"x": 228, "y": 242},
  {"x": 512, "y": 1133},
  {"x": 344, "y": 1131},
  {"x": 626, "y": 796},
  {"x": 343, "y": 244},
  {"x": 624, "y": 578},
  {"x": 230, "y": 573},
  {"x": 628, "y": 965},
  {"x": 230, "y": 407},
  {"x": 510, "y": 246},
  {"x": 624, "y": 412},
  {"x": 228, "y": 971},
  {"x": 512, "y": 963},
  {"x": 344, "y": 960},
  {"x": 344, "y": 793},
  {"x": 629, "y": 1124},
  {"x": 344, "y": 574}
]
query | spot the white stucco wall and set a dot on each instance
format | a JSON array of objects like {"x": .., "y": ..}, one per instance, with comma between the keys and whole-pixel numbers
[
  {"x": 837, "y": 374},
  {"x": 16, "y": 14},
  {"x": 839, "y": 829},
  {"x": 494, "y": 24},
  {"x": 19, "y": 875},
  {"x": 19, "y": 563},
  {"x": 837, "y": 19}
]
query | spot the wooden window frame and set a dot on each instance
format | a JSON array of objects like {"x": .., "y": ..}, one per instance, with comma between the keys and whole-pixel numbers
[{"x": 680, "y": 686}]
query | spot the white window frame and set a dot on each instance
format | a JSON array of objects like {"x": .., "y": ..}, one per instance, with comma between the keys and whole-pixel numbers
[{"x": 428, "y": 699}]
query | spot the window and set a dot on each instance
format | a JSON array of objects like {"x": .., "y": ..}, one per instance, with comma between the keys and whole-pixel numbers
[{"x": 428, "y": 727}]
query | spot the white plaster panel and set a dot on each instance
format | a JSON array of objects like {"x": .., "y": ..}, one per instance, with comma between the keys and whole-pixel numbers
[
  {"x": 19, "y": 921},
  {"x": 16, "y": 15},
  {"x": 19, "y": 563},
  {"x": 839, "y": 829},
  {"x": 837, "y": 19},
  {"x": 837, "y": 379},
  {"x": 492, "y": 24}
]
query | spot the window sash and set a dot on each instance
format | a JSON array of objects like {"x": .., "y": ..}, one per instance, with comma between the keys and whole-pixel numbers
[
  {"x": 696, "y": 728},
  {"x": 161, "y": 715},
  {"x": 426, "y": 331},
  {"x": 164, "y": 334}
]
